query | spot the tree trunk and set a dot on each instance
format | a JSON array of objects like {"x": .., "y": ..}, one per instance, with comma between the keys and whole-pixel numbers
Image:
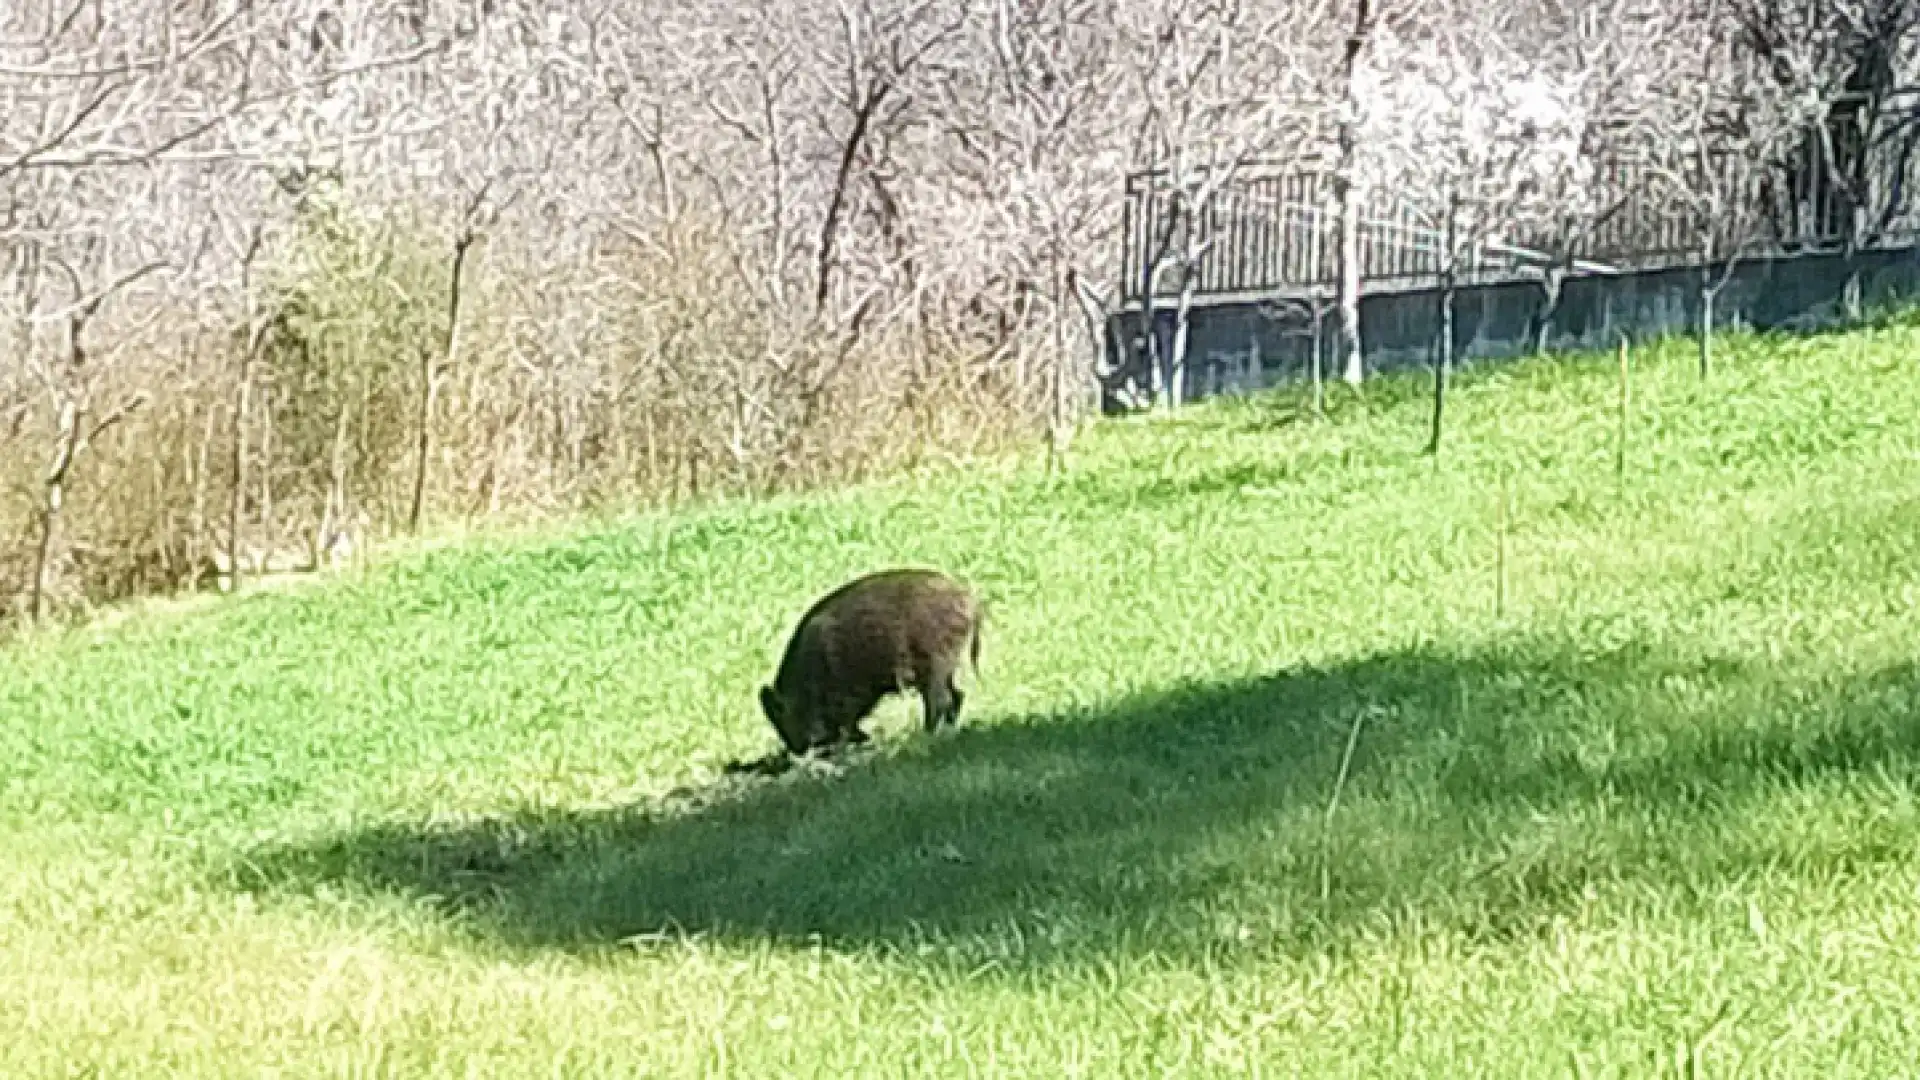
[
  {"x": 1018, "y": 356},
  {"x": 237, "y": 496},
  {"x": 266, "y": 466},
  {"x": 337, "y": 466},
  {"x": 1319, "y": 352},
  {"x": 1176, "y": 385},
  {"x": 423, "y": 439},
  {"x": 1093, "y": 310},
  {"x": 1349, "y": 287},
  {"x": 69, "y": 447},
  {"x": 1151, "y": 355},
  {"x": 836, "y": 203},
  {"x": 1443, "y": 367},
  {"x": 1346, "y": 184},
  {"x": 1156, "y": 368},
  {"x": 333, "y": 511},
  {"x": 1707, "y": 293},
  {"x": 430, "y": 383},
  {"x": 1157, "y": 361},
  {"x": 1552, "y": 282},
  {"x": 43, "y": 558},
  {"x": 1058, "y": 434},
  {"x": 653, "y": 453},
  {"x": 1448, "y": 282},
  {"x": 74, "y": 438},
  {"x": 495, "y": 461},
  {"x": 198, "y": 524},
  {"x": 497, "y": 455}
]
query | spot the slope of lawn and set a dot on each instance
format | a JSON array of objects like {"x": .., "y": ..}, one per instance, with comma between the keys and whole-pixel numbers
[{"x": 1293, "y": 753}]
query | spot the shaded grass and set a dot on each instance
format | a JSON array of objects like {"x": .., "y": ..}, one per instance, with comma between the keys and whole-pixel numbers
[
  {"x": 1490, "y": 794},
  {"x": 463, "y": 812}
]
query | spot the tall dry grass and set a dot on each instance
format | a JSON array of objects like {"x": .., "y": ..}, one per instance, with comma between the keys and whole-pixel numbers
[{"x": 659, "y": 377}]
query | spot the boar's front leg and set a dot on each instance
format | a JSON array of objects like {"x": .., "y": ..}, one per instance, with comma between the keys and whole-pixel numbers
[{"x": 840, "y": 722}]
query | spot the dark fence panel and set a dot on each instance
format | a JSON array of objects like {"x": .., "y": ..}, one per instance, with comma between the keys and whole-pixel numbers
[{"x": 1247, "y": 343}]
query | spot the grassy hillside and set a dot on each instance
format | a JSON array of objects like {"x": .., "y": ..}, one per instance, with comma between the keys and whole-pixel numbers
[{"x": 1630, "y": 791}]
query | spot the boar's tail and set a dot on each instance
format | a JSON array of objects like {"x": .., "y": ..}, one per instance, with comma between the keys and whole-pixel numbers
[{"x": 973, "y": 647}]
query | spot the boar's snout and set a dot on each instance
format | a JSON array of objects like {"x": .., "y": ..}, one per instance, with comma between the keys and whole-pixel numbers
[{"x": 782, "y": 720}]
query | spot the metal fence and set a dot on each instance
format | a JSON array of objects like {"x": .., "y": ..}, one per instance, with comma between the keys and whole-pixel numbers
[{"x": 1273, "y": 230}]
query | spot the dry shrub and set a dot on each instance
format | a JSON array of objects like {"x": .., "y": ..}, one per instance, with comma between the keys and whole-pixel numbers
[
  {"x": 127, "y": 524},
  {"x": 355, "y": 306},
  {"x": 663, "y": 374}
]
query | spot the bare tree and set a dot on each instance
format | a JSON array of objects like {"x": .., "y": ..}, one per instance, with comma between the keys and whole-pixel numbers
[
  {"x": 257, "y": 325},
  {"x": 1607, "y": 57},
  {"x": 1347, "y": 185},
  {"x": 1843, "y": 68},
  {"x": 869, "y": 71},
  {"x": 1481, "y": 140},
  {"x": 733, "y": 246},
  {"x": 494, "y": 181},
  {"x": 81, "y": 419},
  {"x": 1023, "y": 136},
  {"x": 433, "y": 369},
  {"x": 1358, "y": 68},
  {"x": 1719, "y": 133},
  {"x": 1223, "y": 87}
]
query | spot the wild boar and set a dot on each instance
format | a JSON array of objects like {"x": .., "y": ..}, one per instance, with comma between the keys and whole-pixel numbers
[{"x": 885, "y": 633}]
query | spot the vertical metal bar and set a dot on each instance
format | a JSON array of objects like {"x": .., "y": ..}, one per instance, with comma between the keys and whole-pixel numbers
[
  {"x": 1264, "y": 248},
  {"x": 1237, "y": 221},
  {"x": 1272, "y": 219},
  {"x": 1324, "y": 266},
  {"x": 1287, "y": 247},
  {"x": 1302, "y": 222},
  {"x": 1404, "y": 256},
  {"x": 1272, "y": 239},
  {"x": 1208, "y": 270},
  {"x": 1285, "y": 222},
  {"x": 1151, "y": 223}
]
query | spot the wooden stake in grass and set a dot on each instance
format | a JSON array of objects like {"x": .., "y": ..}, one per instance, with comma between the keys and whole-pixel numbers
[
  {"x": 1500, "y": 551},
  {"x": 1626, "y": 405},
  {"x": 1333, "y": 804}
]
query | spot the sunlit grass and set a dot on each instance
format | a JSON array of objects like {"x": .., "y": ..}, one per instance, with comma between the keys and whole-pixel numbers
[{"x": 1650, "y": 801}]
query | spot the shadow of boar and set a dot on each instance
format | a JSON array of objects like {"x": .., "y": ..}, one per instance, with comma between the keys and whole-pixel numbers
[{"x": 888, "y": 632}]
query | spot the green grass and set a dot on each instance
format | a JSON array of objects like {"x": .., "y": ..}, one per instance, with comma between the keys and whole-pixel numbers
[{"x": 463, "y": 813}]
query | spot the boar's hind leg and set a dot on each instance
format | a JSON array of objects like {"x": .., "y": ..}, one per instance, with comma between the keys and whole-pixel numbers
[{"x": 940, "y": 699}]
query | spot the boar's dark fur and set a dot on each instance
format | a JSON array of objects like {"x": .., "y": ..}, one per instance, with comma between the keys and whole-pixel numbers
[{"x": 888, "y": 632}]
